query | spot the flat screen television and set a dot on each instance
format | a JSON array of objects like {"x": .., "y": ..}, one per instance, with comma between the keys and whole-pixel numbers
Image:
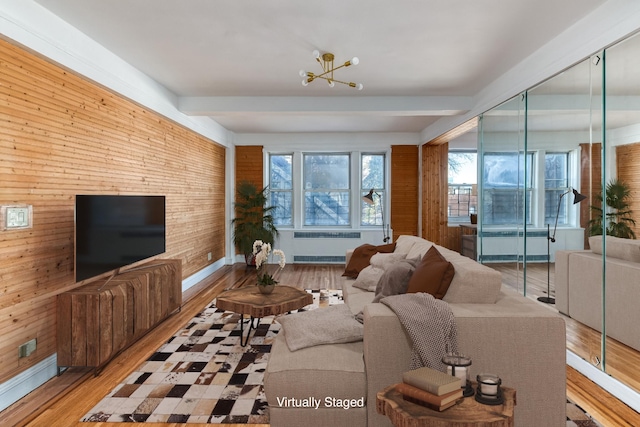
[{"x": 114, "y": 231}]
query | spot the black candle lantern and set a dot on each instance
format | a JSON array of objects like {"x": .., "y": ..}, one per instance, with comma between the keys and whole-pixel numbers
[
  {"x": 459, "y": 366},
  {"x": 489, "y": 391}
]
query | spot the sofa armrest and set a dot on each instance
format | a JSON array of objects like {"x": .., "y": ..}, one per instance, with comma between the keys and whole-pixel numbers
[
  {"x": 387, "y": 354},
  {"x": 521, "y": 342},
  {"x": 347, "y": 256},
  {"x": 561, "y": 281}
]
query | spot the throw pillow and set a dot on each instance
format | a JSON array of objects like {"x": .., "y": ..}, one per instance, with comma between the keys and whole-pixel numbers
[
  {"x": 368, "y": 278},
  {"x": 330, "y": 325},
  {"x": 395, "y": 279},
  {"x": 382, "y": 260},
  {"x": 433, "y": 275},
  {"x": 361, "y": 256}
]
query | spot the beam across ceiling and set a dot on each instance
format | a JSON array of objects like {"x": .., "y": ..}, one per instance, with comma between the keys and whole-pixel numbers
[{"x": 371, "y": 105}]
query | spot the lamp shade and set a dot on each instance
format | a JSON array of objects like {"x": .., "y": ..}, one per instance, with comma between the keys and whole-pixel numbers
[
  {"x": 577, "y": 197},
  {"x": 368, "y": 198}
]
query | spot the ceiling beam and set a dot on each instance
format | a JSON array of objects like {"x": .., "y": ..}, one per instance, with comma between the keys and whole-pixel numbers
[{"x": 388, "y": 105}]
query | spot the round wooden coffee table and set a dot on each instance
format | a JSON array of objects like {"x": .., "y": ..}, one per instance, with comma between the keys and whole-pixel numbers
[
  {"x": 466, "y": 413},
  {"x": 251, "y": 302}
]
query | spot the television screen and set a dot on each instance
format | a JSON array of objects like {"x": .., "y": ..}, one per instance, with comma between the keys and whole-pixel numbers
[{"x": 114, "y": 231}]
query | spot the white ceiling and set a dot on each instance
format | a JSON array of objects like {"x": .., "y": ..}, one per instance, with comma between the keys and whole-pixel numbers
[{"x": 238, "y": 61}]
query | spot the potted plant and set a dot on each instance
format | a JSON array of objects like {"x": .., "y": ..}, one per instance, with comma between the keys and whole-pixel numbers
[
  {"x": 254, "y": 219},
  {"x": 618, "y": 220}
]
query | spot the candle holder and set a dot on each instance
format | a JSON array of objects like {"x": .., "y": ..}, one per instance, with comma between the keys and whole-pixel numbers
[
  {"x": 459, "y": 366},
  {"x": 489, "y": 391}
]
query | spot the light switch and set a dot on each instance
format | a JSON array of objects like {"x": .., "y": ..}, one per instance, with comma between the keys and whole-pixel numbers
[{"x": 17, "y": 216}]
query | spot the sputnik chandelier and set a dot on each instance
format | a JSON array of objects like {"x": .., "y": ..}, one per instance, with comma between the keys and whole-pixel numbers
[{"x": 326, "y": 62}]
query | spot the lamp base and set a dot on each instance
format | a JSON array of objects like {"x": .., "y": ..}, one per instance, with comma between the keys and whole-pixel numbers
[{"x": 547, "y": 300}]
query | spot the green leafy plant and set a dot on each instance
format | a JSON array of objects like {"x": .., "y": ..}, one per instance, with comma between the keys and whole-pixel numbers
[
  {"x": 254, "y": 219},
  {"x": 618, "y": 220}
]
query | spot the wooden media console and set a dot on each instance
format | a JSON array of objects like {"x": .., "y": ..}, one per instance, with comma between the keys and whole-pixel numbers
[{"x": 100, "y": 319}]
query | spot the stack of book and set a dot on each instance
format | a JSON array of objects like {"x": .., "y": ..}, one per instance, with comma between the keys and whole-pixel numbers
[{"x": 430, "y": 388}]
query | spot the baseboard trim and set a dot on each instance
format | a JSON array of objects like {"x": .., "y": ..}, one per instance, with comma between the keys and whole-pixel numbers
[
  {"x": 622, "y": 392},
  {"x": 202, "y": 274},
  {"x": 25, "y": 382}
]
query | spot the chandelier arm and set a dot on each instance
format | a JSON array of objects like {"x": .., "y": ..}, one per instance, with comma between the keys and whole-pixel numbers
[{"x": 337, "y": 81}]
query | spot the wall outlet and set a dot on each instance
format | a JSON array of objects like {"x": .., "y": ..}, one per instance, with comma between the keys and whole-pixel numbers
[
  {"x": 27, "y": 348},
  {"x": 209, "y": 256}
]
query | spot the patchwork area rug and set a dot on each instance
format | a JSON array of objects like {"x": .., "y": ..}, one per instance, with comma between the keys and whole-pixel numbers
[{"x": 202, "y": 374}]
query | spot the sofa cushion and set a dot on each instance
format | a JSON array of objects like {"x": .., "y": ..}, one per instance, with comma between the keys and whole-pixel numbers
[
  {"x": 331, "y": 325},
  {"x": 315, "y": 370},
  {"x": 395, "y": 279},
  {"x": 361, "y": 256},
  {"x": 368, "y": 278},
  {"x": 382, "y": 260},
  {"x": 432, "y": 275},
  {"x": 617, "y": 247},
  {"x": 370, "y": 275}
]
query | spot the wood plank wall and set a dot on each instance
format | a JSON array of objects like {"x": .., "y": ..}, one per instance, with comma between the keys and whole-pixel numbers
[
  {"x": 435, "y": 169},
  {"x": 61, "y": 135},
  {"x": 628, "y": 169},
  {"x": 249, "y": 165},
  {"x": 590, "y": 182},
  {"x": 404, "y": 190}
]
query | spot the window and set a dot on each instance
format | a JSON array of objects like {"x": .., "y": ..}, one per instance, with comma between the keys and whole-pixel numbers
[
  {"x": 326, "y": 180},
  {"x": 505, "y": 188},
  {"x": 462, "y": 179},
  {"x": 556, "y": 183},
  {"x": 281, "y": 187},
  {"x": 372, "y": 176}
]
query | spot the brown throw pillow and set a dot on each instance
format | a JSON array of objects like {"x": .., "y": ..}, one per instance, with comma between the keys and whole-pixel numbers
[
  {"x": 361, "y": 256},
  {"x": 433, "y": 275}
]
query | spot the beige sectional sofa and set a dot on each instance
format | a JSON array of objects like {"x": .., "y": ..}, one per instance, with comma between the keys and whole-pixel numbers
[
  {"x": 503, "y": 333},
  {"x": 579, "y": 283}
]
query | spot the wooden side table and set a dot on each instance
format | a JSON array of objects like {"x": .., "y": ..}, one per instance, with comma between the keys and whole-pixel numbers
[
  {"x": 468, "y": 241},
  {"x": 466, "y": 413},
  {"x": 250, "y": 301}
]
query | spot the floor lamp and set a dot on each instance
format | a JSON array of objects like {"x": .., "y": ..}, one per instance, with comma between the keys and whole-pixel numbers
[
  {"x": 577, "y": 198},
  {"x": 368, "y": 199}
]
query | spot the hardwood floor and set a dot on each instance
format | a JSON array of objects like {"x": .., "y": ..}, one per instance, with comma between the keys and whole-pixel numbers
[{"x": 65, "y": 399}]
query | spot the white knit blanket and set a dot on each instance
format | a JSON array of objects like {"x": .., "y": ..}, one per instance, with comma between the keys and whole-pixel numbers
[{"x": 430, "y": 325}]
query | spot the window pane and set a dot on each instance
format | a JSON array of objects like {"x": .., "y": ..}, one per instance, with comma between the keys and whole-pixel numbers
[
  {"x": 372, "y": 176},
  {"x": 326, "y": 208},
  {"x": 326, "y": 185},
  {"x": 372, "y": 171},
  {"x": 281, "y": 186},
  {"x": 505, "y": 207},
  {"x": 282, "y": 213},
  {"x": 505, "y": 170},
  {"x": 280, "y": 177},
  {"x": 504, "y": 188},
  {"x": 326, "y": 171},
  {"x": 556, "y": 173},
  {"x": 462, "y": 178},
  {"x": 463, "y": 168},
  {"x": 372, "y": 214}
]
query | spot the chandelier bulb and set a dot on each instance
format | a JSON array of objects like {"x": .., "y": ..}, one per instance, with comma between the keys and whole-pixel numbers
[
  {"x": 355, "y": 60},
  {"x": 316, "y": 54},
  {"x": 305, "y": 82},
  {"x": 331, "y": 83},
  {"x": 303, "y": 73},
  {"x": 360, "y": 86}
]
